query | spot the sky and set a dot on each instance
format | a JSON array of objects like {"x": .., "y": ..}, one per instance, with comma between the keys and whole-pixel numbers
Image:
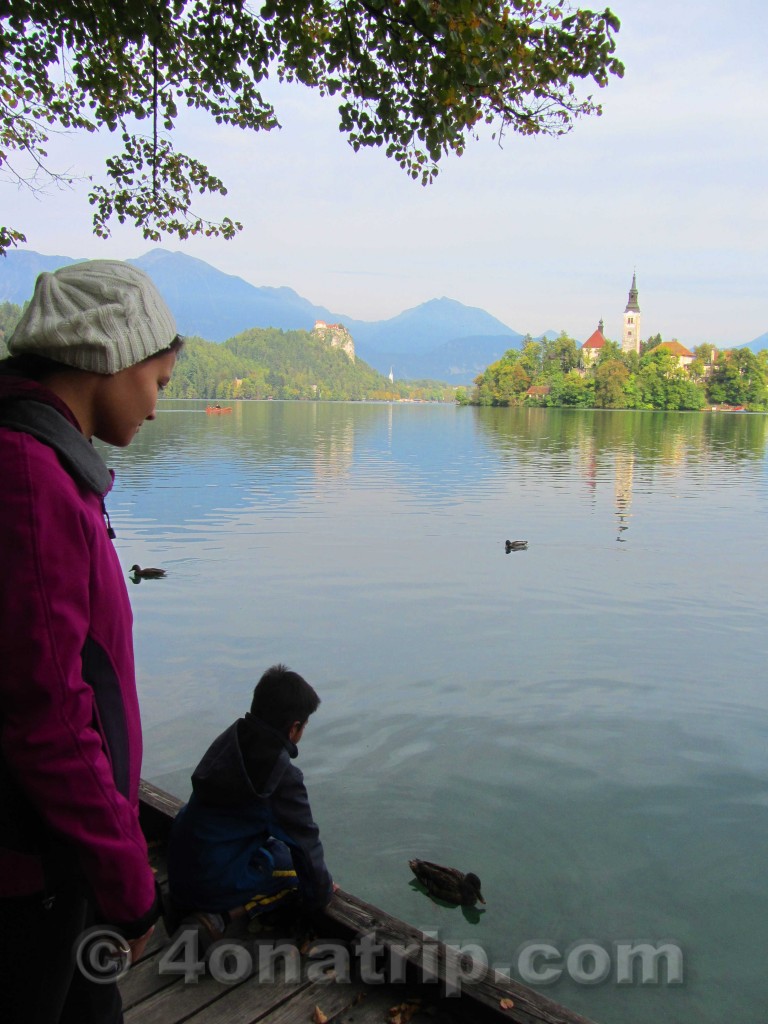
[{"x": 544, "y": 234}]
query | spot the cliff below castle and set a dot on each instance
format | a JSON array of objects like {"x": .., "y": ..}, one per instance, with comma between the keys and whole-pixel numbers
[{"x": 337, "y": 336}]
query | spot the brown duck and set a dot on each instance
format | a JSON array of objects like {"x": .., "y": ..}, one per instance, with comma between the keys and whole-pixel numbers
[
  {"x": 147, "y": 574},
  {"x": 447, "y": 884}
]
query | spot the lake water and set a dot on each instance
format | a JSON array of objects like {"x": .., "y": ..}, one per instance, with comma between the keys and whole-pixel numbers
[{"x": 582, "y": 723}]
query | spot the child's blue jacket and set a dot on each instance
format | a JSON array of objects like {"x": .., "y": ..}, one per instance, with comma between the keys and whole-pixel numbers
[{"x": 245, "y": 790}]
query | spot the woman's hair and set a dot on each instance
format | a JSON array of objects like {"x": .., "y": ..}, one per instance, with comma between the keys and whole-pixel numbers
[
  {"x": 30, "y": 367},
  {"x": 283, "y": 697},
  {"x": 176, "y": 346},
  {"x": 37, "y": 368}
]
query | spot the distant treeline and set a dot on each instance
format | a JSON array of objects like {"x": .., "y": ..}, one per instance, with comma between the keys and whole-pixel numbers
[
  {"x": 270, "y": 363},
  {"x": 554, "y": 373}
]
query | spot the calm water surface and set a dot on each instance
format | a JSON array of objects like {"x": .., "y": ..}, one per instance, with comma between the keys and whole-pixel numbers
[{"x": 583, "y": 723}]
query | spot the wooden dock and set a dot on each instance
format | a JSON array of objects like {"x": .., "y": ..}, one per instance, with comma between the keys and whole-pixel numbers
[{"x": 306, "y": 982}]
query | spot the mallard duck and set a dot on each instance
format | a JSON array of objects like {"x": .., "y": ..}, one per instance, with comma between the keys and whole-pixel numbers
[
  {"x": 147, "y": 574},
  {"x": 515, "y": 545},
  {"x": 447, "y": 884}
]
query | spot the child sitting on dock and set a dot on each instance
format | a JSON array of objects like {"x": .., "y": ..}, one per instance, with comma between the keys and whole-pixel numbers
[{"x": 246, "y": 840}]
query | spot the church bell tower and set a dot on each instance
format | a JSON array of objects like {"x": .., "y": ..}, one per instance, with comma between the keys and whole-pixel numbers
[{"x": 630, "y": 337}]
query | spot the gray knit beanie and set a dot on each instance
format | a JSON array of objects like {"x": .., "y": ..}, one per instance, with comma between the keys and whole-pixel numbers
[{"x": 101, "y": 315}]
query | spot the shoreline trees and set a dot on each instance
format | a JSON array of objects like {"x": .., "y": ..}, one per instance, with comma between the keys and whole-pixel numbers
[
  {"x": 619, "y": 380},
  {"x": 271, "y": 363}
]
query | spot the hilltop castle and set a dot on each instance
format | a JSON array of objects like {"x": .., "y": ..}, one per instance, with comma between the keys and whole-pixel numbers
[{"x": 337, "y": 336}]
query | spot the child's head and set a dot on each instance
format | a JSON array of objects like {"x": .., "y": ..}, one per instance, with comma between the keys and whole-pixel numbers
[{"x": 283, "y": 699}]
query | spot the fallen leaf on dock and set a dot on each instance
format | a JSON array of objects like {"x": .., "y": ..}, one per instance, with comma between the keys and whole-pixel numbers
[
  {"x": 506, "y": 1004},
  {"x": 318, "y": 1017},
  {"x": 403, "y": 1012}
]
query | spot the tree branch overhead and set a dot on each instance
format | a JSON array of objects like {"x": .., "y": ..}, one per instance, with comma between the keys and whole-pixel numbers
[{"x": 414, "y": 77}]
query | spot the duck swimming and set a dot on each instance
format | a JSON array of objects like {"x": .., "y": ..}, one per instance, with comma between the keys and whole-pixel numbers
[
  {"x": 515, "y": 545},
  {"x": 147, "y": 574},
  {"x": 447, "y": 884}
]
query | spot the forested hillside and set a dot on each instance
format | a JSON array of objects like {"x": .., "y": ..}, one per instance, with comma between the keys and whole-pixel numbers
[{"x": 270, "y": 363}]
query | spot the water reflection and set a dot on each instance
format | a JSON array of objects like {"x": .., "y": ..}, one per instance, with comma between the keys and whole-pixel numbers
[
  {"x": 625, "y": 465},
  {"x": 604, "y": 445},
  {"x": 655, "y": 437},
  {"x": 583, "y": 725}
]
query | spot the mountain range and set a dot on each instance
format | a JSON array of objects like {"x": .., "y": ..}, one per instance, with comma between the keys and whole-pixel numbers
[{"x": 441, "y": 339}]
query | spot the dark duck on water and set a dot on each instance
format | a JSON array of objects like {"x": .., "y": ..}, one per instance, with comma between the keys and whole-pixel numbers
[
  {"x": 147, "y": 574},
  {"x": 447, "y": 884}
]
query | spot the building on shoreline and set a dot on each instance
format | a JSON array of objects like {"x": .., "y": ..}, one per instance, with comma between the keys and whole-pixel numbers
[
  {"x": 630, "y": 336},
  {"x": 683, "y": 355},
  {"x": 590, "y": 350}
]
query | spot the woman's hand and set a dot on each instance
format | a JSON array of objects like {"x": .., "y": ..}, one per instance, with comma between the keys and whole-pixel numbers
[{"x": 137, "y": 946}]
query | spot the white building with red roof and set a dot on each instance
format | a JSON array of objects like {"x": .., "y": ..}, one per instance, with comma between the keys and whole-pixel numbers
[{"x": 590, "y": 350}]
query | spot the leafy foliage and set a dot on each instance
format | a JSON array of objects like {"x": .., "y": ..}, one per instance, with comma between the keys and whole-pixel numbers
[
  {"x": 270, "y": 363},
  {"x": 620, "y": 380},
  {"x": 10, "y": 314},
  {"x": 740, "y": 379},
  {"x": 610, "y": 379},
  {"x": 416, "y": 77}
]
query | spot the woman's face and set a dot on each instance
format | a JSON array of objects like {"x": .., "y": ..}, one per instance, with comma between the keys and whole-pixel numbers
[{"x": 124, "y": 400}]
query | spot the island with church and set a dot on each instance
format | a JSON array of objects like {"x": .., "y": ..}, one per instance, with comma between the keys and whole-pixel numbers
[{"x": 626, "y": 374}]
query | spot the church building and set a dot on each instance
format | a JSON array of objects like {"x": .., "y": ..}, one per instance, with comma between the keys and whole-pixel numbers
[
  {"x": 630, "y": 336},
  {"x": 590, "y": 350}
]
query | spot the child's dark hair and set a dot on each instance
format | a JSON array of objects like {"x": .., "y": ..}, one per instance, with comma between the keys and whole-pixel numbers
[{"x": 283, "y": 697}]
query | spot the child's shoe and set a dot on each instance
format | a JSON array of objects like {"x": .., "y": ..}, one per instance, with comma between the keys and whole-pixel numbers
[{"x": 209, "y": 927}]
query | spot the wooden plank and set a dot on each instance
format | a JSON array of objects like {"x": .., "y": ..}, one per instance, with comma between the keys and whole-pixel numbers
[
  {"x": 153, "y": 798},
  {"x": 161, "y": 995},
  {"x": 181, "y": 1002},
  {"x": 243, "y": 1008},
  {"x": 142, "y": 981},
  {"x": 345, "y": 914},
  {"x": 157, "y": 809},
  {"x": 529, "y": 1006},
  {"x": 378, "y": 1001}
]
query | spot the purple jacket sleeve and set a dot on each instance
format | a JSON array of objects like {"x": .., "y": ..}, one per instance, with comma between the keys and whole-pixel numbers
[{"x": 61, "y": 585}]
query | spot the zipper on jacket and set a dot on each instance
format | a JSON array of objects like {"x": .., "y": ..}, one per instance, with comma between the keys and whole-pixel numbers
[{"x": 110, "y": 532}]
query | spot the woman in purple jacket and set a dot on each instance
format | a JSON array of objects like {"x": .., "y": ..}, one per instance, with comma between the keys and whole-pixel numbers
[{"x": 90, "y": 355}]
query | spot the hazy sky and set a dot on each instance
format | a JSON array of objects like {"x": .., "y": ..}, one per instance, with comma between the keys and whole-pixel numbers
[{"x": 544, "y": 233}]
